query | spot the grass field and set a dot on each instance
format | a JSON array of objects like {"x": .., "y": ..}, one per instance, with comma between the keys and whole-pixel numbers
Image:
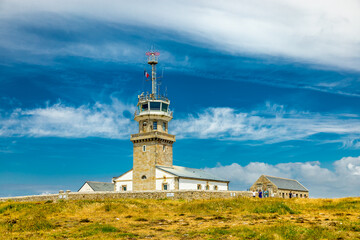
[{"x": 240, "y": 218}]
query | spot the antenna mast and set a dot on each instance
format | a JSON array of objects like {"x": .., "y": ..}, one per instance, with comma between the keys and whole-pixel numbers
[{"x": 153, "y": 60}]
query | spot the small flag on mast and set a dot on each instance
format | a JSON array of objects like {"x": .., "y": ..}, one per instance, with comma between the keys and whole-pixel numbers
[{"x": 146, "y": 74}]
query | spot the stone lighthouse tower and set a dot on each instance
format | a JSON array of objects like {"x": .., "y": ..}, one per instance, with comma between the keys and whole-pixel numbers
[{"x": 153, "y": 143}]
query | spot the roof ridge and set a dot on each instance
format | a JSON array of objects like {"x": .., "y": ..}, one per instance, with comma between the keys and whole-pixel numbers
[
  {"x": 98, "y": 182},
  {"x": 281, "y": 178}
]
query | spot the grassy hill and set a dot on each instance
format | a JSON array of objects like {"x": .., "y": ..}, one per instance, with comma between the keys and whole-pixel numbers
[{"x": 240, "y": 218}]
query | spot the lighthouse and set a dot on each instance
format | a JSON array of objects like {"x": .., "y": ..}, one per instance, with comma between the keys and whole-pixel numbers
[
  {"x": 153, "y": 168},
  {"x": 153, "y": 145}
]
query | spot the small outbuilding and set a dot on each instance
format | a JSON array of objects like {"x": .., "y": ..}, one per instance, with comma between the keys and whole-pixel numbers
[
  {"x": 280, "y": 187},
  {"x": 90, "y": 186}
]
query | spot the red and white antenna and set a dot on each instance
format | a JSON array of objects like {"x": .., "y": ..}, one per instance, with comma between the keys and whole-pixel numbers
[{"x": 153, "y": 60}]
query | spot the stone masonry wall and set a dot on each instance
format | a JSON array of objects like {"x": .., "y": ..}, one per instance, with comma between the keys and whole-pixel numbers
[
  {"x": 188, "y": 195},
  {"x": 144, "y": 165}
]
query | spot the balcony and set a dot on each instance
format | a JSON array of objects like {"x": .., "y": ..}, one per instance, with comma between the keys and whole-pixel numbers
[{"x": 152, "y": 135}]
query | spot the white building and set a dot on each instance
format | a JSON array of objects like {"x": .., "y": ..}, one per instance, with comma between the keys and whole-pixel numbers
[{"x": 175, "y": 178}]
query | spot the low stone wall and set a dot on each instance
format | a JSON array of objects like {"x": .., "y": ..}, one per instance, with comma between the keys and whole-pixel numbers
[{"x": 189, "y": 195}]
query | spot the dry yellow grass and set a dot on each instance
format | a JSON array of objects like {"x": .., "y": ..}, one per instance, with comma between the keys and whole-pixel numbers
[{"x": 240, "y": 218}]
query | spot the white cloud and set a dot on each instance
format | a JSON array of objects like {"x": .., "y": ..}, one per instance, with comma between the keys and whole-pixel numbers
[
  {"x": 324, "y": 32},
  {"x": 271, "y": 124},
  {"x": 59, "y": 120},
  {"x": 321, "y": 182}
]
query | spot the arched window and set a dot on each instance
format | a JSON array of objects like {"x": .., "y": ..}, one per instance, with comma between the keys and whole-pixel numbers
[
  {"x": 143, "y": 177},
  {"x": 144, "y": 148}
]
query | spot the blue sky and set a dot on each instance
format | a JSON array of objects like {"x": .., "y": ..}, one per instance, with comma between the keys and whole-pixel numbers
[{"x": 267, "y": 87}]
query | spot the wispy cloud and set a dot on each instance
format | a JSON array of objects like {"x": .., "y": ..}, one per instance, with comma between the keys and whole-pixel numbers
[
  {"x": 325, "y": 32},
  {"x": 321, "y": 182},
  {"x": 270, "y": 124},
  {"x": 286, "y": 44},
  {"x": 59, "y": 120}
]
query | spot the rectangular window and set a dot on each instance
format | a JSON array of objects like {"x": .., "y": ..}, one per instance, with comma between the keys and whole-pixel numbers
[
  {"x": 164, "y": 107},
  {"x": 144, "y": 148},
  {"x": 199, "y": 187},
  {"x": 123, "y": 188},
  {"x": 164, "y": 126},
  {"x": 144, "y": 107},
  {"x": 155, "y": 106},
  {"x": 165, "y": 186},
  {"x": 155, "y": 125},
  {"x": 215, "y": 187},
  {"x": 207, "y": 187}
]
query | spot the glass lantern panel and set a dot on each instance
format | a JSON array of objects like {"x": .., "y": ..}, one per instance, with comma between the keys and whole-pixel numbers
[
  {"x": 164, "y": 107},
  {"x": 154, "y": 105},
  {"x": 144, "y": 107}
]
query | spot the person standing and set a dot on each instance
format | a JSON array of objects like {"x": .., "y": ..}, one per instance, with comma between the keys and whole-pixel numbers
[
  {"x": 260, "y": 194},
  {"x": 290, "y": 194},
  {"x": 254, "y": 193}
]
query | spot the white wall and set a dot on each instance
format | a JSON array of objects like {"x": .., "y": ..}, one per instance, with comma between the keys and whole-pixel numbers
[
  {"x": 161, "y": 174},
  {"x": 125, "y": 179},
  {"x": 86, "y": 188},
  {"x": 191, "y": 184},
  {"x": 169, "y": 181},
  {"x": 164, "y": 177}
]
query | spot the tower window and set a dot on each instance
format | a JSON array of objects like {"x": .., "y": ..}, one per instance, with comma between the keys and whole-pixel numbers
[
  {"x": 143, "y": 177},
  {"x": 164, "y": 126},
  {"x": 155, "y": 125},
  {"x": 144, "y": 107},
  {"x": 154, "y": 105},
  {"x": 164, "y": 107},
  {"x": 144, "y": 148},
  {"x": 164, "y": 148}
]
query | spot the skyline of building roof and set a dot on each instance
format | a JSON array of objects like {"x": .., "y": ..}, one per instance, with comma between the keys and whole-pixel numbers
[
  {"x": 100, "y": 186},
  {"x": 186, "y": 172},
  {"x": 285, "y": 183}
]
